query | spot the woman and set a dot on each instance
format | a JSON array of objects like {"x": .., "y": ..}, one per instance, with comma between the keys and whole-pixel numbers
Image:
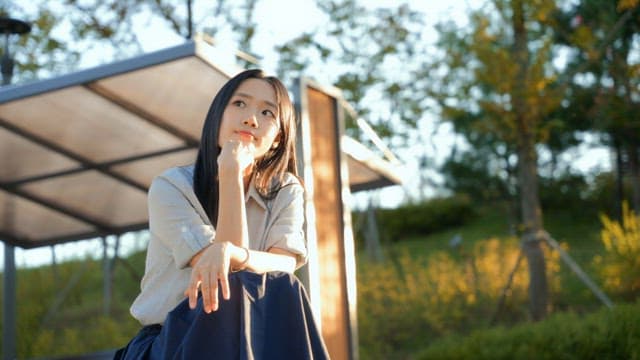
[{"x": 239, "y": 207}]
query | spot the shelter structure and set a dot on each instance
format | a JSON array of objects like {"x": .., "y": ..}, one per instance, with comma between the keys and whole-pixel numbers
[{"x": 79, "y": 152}]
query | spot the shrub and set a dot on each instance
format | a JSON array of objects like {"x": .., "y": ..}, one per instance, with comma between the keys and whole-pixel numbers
[
  {"x": 603, "y": 192},
  {"x": 61, "y": 311},
  {"x": 607, "y": 334},
  {"x": 424, "y": 218},
  {"x": 407, "y": 301},
  {"x": 620, "y": 265}
]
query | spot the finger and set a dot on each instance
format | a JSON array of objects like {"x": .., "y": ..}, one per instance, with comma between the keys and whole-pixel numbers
[
  {"x": 192, "y": 291},
  {"x": 206, "y": 295},
  {"x": 246, "y": 147},
  {"x": 234, "y": 143},
  {"x": 251, "y": 147},
  {"x": 224, "y": 284},
  {"x": 214, "y": 294}
]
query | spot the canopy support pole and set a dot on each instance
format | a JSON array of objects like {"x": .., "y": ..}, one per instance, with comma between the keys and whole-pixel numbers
[{"x": 9, "y": 304}]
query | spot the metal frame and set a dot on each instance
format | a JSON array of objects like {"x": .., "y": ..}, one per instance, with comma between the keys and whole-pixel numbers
[
  {"x": 15, "y": 92},
  {"x": 87, "y": 79}
]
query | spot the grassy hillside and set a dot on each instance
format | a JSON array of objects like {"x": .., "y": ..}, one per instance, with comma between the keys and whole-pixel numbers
[
  {"x": 61, "y": 309},
  {"x": 424, "y": 290}
]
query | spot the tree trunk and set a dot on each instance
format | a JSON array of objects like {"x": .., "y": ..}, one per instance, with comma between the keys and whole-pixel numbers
[
  {"x": 528, "y": 171},
  {"x": 54, "y": 265},
  {"x": 619, "y": 178},
  {"x": 372, "y": 235},
  {"x": 634, "y": 175},
  {"x": 632, "y": 141},
  {"x": 532, "y": 230}
]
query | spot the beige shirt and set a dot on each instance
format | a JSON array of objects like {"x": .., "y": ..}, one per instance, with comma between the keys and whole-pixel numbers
[{"x": 179, "y": 228}]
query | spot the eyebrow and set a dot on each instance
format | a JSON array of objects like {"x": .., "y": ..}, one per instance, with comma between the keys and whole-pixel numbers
[{"x": 269, "y": 103}]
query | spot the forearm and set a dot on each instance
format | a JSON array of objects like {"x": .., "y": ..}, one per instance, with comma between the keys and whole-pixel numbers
[
  {"x": 262, "y": 261},
  {"x": 232, "y": 220}
]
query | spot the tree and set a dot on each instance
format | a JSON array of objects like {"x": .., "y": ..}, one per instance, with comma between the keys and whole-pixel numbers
[
  {"x": 604, "y": 38},
  {"x": 486, "y": 171},
  {"x": 374, "y": 50},
  {"x": 41, "y": 51},
  {"x": 498, "y": 79},
  {"x": 368, "y": 45},
  {"x": 63, "y": 33}
]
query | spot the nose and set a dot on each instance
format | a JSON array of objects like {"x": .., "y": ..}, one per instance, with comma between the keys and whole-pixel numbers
[{"x": 251, "y": 121}]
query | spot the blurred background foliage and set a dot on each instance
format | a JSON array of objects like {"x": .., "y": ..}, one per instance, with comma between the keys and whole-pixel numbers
[
  {"x": 524, "y": 84},
  {"x": 431, "y": 286}
]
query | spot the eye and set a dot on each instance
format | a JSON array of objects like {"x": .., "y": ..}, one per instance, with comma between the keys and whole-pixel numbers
[
  {"x": 239, "y": 103},
  {"x": 268, "y": 113}
]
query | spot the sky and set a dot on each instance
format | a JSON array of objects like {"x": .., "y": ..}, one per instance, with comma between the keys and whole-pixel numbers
[{"x": 301, "y": 16}]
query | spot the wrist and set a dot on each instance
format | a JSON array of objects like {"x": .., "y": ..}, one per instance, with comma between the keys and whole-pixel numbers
[
  {"x": 229, "y": 173},
  {"x": 198, "y": 255},
  {"x": 240, "y": 257}
]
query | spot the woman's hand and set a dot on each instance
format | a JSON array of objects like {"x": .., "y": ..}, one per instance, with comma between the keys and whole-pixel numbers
[
  {"x": 210, "y": 267},
  {"x": 236, "y": 156}
]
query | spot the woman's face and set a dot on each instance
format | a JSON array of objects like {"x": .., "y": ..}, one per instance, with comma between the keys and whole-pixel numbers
[{"x": 252, "y": 116}]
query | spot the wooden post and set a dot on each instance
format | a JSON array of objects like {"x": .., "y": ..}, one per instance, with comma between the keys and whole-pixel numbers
[{"x": 332, "y": 268}]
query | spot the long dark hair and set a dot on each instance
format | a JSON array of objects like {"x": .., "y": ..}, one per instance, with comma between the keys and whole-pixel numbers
[{"x": 269, "y": 170}]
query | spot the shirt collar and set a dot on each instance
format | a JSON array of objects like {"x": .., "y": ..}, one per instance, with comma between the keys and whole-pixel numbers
[{"x": 253, "y": 193}]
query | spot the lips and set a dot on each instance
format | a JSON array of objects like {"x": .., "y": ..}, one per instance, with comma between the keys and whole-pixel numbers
[{"x": 245, "y": 135}]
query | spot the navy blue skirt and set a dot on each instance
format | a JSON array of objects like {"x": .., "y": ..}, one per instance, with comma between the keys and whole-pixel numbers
[{"x": 267, "y": 317}]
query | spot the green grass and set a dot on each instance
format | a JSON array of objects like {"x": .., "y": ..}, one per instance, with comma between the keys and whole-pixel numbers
[
  {"x": 60, "y": 311},
  {"x": 490, "y": 222},
  {"x": 605, "y": 334},
  {"x": 580, "y": 234}
]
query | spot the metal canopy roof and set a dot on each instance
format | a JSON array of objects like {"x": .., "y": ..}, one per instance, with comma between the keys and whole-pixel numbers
[{"x": 78, "y": 152}]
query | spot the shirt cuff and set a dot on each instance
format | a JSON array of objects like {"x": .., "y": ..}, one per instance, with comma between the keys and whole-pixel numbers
[
  {"x": 293, "y": 243},
  {"x": 194, "y": 239}
]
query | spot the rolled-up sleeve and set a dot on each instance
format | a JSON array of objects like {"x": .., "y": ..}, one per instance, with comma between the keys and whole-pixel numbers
[
  {"x": 287, "y": 227},
  {"x": 174, "y": 221}
]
